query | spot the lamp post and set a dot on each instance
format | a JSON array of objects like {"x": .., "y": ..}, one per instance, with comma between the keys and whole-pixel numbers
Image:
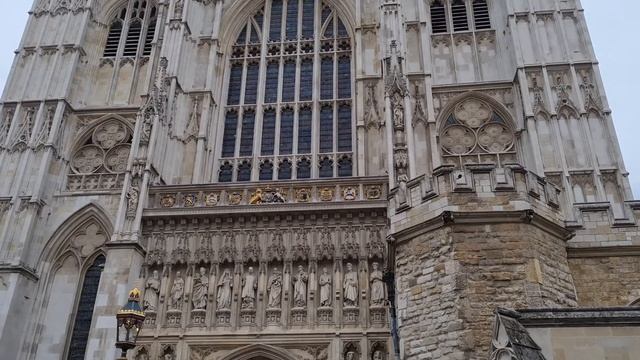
[{"x": 130, "y": 319}]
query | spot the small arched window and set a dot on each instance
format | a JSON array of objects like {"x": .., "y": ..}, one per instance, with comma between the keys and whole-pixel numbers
[
  {"x": 475, "y": 133},
  {"x": 281, "y": 121},
  {"x": 131, "y": 32},
  {"x": 481, "y": 18},
  {"x": 459, "y": 15},
  {"x": 438, "y": 17}
]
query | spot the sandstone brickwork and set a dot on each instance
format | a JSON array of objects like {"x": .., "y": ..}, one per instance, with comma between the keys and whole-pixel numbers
[{"x": 607, "y": 280}]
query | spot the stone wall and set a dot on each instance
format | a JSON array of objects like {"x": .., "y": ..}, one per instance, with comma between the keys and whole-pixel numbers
[
  {"x": 606, "y": 281},
  {"x": 450, "y": 281}
]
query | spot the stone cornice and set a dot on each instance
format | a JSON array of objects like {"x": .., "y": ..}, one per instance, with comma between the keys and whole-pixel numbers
[
  {"x": 617, "y": 316},
  {"x": 604, "y": 251},
  {"x": 19, "y": 269},
  {"x": 126, "y": 245},
  {"x": 447, "y": 218}
]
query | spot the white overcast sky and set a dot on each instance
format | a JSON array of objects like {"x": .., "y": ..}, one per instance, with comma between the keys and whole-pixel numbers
[{"x": 613, "y": 28}]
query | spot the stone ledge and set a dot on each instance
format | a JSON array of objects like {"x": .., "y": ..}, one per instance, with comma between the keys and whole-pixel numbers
[
  {"x": 605, "y": 251},
  {"x": 21, "y": 269},
  {"x": 619, "y": 316}
]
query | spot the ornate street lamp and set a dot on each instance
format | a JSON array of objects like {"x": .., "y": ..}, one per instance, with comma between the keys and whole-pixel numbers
[{"x": 130, "y": 319}]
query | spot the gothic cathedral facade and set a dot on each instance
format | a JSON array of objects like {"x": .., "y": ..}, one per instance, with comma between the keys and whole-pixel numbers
[{"x": 312, "y": 180}]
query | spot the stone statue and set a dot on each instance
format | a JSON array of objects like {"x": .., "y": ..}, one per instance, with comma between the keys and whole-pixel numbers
[
  {"x": 325, "y": 288},
  {"x": 275, "y": 289},
  {"x": 398, "y": 111},
  {"x": 249, "y": 286},
  {"x": 225, "y": 283},
  {"x": 402, "y": 189},
  {"x": 350, "y": 287},
  {"x": 300, "y": 288},
  {"x": 177, "y": 292},
  {"x": 200, "y": 290},
  {"x": 377, "y": 355},
  {"x": 377, "y": 286},
  {"x": 152, "y": 292},
  {"x": 132, "y": 201},
  {"x": 350, "y": 355},
  {"x": 168, "y": 356}
]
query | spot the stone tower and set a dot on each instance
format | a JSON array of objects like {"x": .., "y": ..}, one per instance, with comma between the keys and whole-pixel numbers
[{"x": 312, "y": 179}]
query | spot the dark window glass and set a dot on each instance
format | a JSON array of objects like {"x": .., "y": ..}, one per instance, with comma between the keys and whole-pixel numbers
[
  {"x": 259, "y": 19},
  {"x": 292, "y": 19},
  {"x": 329, "y": 33},
  {"x": 276, "y": 20},
  {"x": 345, "y": 166},
  {"x": 235, "y": 84},
  {"x": 326, "y": 129},
  {"x": 84, "y": 312},
  {"x": 481, "y": 15},
  {"x": 308, "y": 18},
  {"x": 266, "y": 171},
  {"x": 342, "y": 31},
  {"x": 229, "y": 137},
  {"x": 286, "y": 131},
  {"x": 284, "y": 171},
  {"x": 306, "y": 79},
  {"x": 226, "y": 172},
  {"x": 344, "y": 77},
  {"x": 326, "y": 167},
  {"x": 459, "y": 16},
  {"x": 246, "y": 139},
  {"x": 113, "y": 39},
  {"x": 304, "y": 130},
  {"x": 148, "y": 41},
  {"x": 344, "y": 127},
  {"x": 304, "y": 169},
  {"x": 326, "y": 78},
  {"x": 251, "y": 89},
  {"x": 326, "y": 12},
  {"x": 289, "y": 81},
  {"x": 438, "y": 18},
  {"x": 254, "y": 35},
  {"x": 244, "y": 171},
  {"x": 271, "y": 85},
  {"x": 133, "y": 38},
  {"x": 242, "y": 38},
  {"x": 268, "y": 132}
]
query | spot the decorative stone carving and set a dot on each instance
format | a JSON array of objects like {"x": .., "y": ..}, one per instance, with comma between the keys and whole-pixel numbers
[
  {"x": 110, "y": 134},
  {"x": 377, "y": 286},
  {"x": 249, "y": 286},
  {"x": 300, "y": 288},
  {"x": 350, "y": 193},
  {"x": 133, "y": 194},
  {"x": 495, "y": 138},
  {"x": 88, "y": 159},
  {"x": 211, "y": 199},
  {"x": 373, "y": 192},
  {"x": 200, "y": 290},
  {"x": 225, "y": 285},
  {"x": 300, "y": 251},
  {"x": 181, "y": 253},
  {"x": 326, "y": 281},
  {"x": 325, "y": 248},
  {"x": 177, "y": 292},
  {"x": 350, "y": 287},
  {"x": 275, "y": 289},
  {"x": 303, "y": 195},
  {"x": 190, "y": 200},
  {"x": 326, "y": 194},
  {"x": 168, "y": 200},
  {"x": 235, "y": 198},
  {"x": 473, "y": 113},
  {"x": 267, "y": 196},
  {"x": 372, "y": 117},
  {"x": 276, "y": 250},
  {"x": 152, "y": 292}
]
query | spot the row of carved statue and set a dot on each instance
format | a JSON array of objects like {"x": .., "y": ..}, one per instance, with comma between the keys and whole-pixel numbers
[{"x": 301, "y": 282}]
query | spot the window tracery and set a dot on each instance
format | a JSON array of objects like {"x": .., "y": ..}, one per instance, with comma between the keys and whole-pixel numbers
[
  {"x": 131, "y": 32},
  {"x": 101, "y": 161},
  {"x": 459, "y": 16},
  {"x": 474, "y": 133},
  {"x": 281, "y": 121}
]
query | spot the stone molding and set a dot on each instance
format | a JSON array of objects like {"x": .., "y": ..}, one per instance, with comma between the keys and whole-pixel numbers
[
  {"x": 20, "y": 269},
  {"x": 604, "y": 251},
  {"x": 618, "y": 316}
]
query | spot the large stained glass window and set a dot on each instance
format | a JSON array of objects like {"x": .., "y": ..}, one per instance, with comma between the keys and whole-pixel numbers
[{"x": 289, "y": 111}]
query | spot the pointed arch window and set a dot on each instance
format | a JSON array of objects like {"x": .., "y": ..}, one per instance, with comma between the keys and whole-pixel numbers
[
  {"x": 459, "y": 15},
  {"x": 132, "y": 31},
  {"x": 289, "y": 93},
  {"x": 84, "y": 311}
]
